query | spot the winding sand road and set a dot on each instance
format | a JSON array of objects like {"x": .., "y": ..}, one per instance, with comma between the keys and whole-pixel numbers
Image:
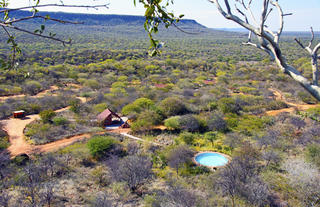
[
  {"x": 38, "y": 95},
  {"x": 292, "y": 106}
]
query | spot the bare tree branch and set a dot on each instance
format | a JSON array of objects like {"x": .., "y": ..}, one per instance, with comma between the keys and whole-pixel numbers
[
  {"x": 42, "y": 17},
  {"x": 6, "y": 22},
  {"x": 299, "y": 43},
  {"x": 312, "y": 37},
  {"x": 182, "y": 30},
  {"x": 35, "y": 34},
  {"x": 281, "y": 15},
  {"x": 314, "y": 57},
  {"x": 226, "y": 2},
  {"x": 56, "y": 5},
  {"x": 264, "y": 15},
  {"x": 14, "y": 46}
]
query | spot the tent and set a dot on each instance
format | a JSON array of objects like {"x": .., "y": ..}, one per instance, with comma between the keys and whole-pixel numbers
[{"x": 105, "y": 117}]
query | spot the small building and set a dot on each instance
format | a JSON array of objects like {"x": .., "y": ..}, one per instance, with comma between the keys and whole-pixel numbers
[
  {"x": 19, "y": 114},
  {"x": 110, "y": 120}
]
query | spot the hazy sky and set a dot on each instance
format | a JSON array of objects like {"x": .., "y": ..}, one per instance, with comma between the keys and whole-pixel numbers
[{"x": 305, "y": 13}]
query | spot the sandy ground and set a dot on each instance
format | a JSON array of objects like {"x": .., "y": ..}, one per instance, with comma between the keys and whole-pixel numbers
[
  {"x": 292, "y": 106},
  {"x": 41, "y": 94},
  {"x": 19, "y": 145},
  {"x": 15, "y": 127}
]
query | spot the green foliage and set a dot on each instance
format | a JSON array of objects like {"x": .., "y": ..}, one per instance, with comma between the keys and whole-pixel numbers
[
  {"x": 306, "y": 97},
  {"x": 75, "y": 105},
  {"x": 248, "y": 90},
  {"x": 313, "y": 154},
  {"x": 251, "y": 124},
  {"x": 312, "y": 113},
  {"x": 122, "y": 190},
  {"x": 47, "y": 115},
  {"x": 157, "y": 10},
  {"x": 187, "y": 137},
  {"x": 100, "y": 107},
  {"x": 229, "y": 105},
  {"x": 146, "y": 120},
  {"x": 4, "y": 140},
  {"x": 191, "y": 170},
  {"x": 138, "y": 105},
  {"x": 100, "y": 145},
  {"x": 172, "y": 106},
  {"x": 94, "y": 84},
  {"x": 212, "y": 106},
  {"x": 210, "y": 136},
  {"x": 172, "y": 123},
  {"x": 60, "y": 121},
  {"x": 32, "y": 87}
]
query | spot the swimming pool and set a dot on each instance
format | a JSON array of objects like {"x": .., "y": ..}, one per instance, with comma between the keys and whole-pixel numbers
[{"x": 211, "y": 159}]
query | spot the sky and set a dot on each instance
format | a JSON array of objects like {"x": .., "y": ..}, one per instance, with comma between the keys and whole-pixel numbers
[{"x": 304, "y": 15}]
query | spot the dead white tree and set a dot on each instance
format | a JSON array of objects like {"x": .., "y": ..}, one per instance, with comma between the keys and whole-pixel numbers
[{"x": 268, "y": 40}]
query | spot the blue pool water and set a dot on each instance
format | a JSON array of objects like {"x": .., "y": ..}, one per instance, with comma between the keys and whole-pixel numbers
[{"x": 211, "y": 159}]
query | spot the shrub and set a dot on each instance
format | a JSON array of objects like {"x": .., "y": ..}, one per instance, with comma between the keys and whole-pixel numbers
[
  {"x": 229, "y": 105},
  {"x": 212, "y": 106},
  {"x": 146, "y": 121},
  {"x": 60, "y": 121},
  {"x": 187, "y": 137},
  {"x": 32, "y": 87},
  {"x": 304, "y": 178},
  {"x": 99, "y": 146},
  {"x": 189, "y": 123},
  {"x": 210, "y": 136},
  {"x": 313, "y": 154},
  {"x": 248, "y": 90},
  {"x": 217, "y": 123},
  {"x": 94, "y": 84},
  {"x": 172, "y": 106},
  {"x": 100, "y": 107},
  {"x": 251, "y": 124},
  {"x": 75, "y": 105},
  {"x": 172, "y": 123},
  {"x": 179, "y": 156},
  {"x": 274, "y": 105},
  {"x": 4, "y": 143},
  {"x": 47, "y": 115},
  {"x": 138, "y": 105},
  {"x": 134, "y": 170},
  {"x": 192, "y": 169},
  {"x": 306, "y": 97}
]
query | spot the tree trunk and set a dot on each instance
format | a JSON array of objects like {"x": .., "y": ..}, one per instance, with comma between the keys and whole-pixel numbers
[
  {"x": 232, "y": 199},
  {"x": 314, "y": 90},
  {"x": 315, "y": 73}
]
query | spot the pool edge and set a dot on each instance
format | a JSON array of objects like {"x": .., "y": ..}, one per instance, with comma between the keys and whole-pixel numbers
[{"x": 211, "y": 167}]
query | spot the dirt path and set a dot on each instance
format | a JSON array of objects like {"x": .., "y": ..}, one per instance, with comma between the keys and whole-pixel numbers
[
  {"x": 43, "y": 93},
  {"x": 15, "y": 127},
  {"x": 292, "y": 106},
  {"x": 40, "y": 94},
  {"x": 19, "y": 145}
]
